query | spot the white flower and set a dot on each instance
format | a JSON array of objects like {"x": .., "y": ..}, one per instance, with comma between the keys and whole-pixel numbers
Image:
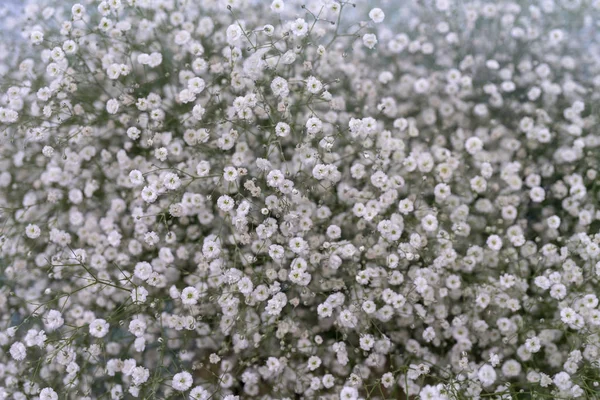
[
  {"x": 299, "y": 27},
  {"x": 314, "y": 125},
  {"x": 277, "y": 6},
  {"x": 533, "y": 344},
  {"x": 196, "y": 85},
  {"x": 48, "y": 394},
  {"x": 182, "y": 381},
  {"x": 199, "y": 393},
  {"x": 473, "y": 145},
  {"x": 189, "y": 296},
  {"x": 234, "y": 33},
  {"x": 48, "y": 151},
  {"x": 313, "y": 85},
  {"x": 347, "y": 319},
  {"x": 137, "y": 327},
  {"x": 325, "y": 310},
  {"x": 77, "y": 11},
  {"x": 276, "y": 304},
  {"x": 245, "y": 285},
  {"x": 369, "y": 40},
  {"x": 429, "y": 223},
  {"x": 367, "y": 342},
  {"x": 113, "y": 72},
  {"x": 186, "y": 96},
  {"x": 225, "y": 203},
  {"x": 9, "y": 116},
  {"x": 198, "y": 112},
  {"x": 99, "y": 328},
  {"x": 161, "y": 153},
  {"x": 140, "y": 375},
  {"x": 487, "y": 375},
  {"x": 133, "y": 133},
  {"x": 494, "y": 242},
  {"x": 376, "y": 15},
  {"x": 328, "y": 381},
  {"x": 149, "y": 194},
  {"x": 18, "y": 351},
  {"x": 230, "y": 174},
  {"x": 69, "y": 47},
  {"x": 269, "y": 30},
  {"x": 155, "y": 59},
  {"x": 32, "y": 231},
  {"x": 282, "y": 129},
  {"x": 429, "y": 334},
  {"x": 143, "y": 270},
  {"x": 511, "y": 368},
  {"x": 537, "y": 194},
  {"x": 568, "y": 315},
  {"x": 136, "y": 177},
  {"x": 112, "y": 106},
  {"x": 348, "y": 393},
  {"x": 171, "y": 181},
  {"x": 182, "y": 37},
  {"x": 421, "y": 86},
  {"x": 140, "y": 294},
  {"x": 53, "y": 320},
  {"x": 36, "y": 37},
  {"x": 314, "y": 362},
  {"x": 279, "y": 87},
  {"x": 203, "y": 168}
]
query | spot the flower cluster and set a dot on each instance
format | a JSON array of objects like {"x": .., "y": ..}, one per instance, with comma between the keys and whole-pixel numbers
[{"x": 238, "y": 199}]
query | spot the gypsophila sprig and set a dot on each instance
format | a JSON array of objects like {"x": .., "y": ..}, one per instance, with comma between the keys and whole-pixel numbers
[{"x": 279, "y": 199}]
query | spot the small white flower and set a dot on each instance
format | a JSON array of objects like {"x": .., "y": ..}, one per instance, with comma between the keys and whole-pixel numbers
[
  {"x": 18, "y": 351},
  {"x": 112, "y": 106},
  {"x": 299, "y": 27},
  {"x": 494, "y": 242},
  {"x": 48, "y": 394},
  {"x": 225, "y": 203},
  {"x": 230, "y": 174},
  {"x": 314, "y": 362},
  {"x": 313, "y": 85},
  {"x": 198, "y": 112},
  {"x": 136, "y": 177},
  {"x": 277, "y": 6},
  {"x": 171, "y": 181},
  {"x": 99, "y": 328},
  {"x": 376, "y": 15},
  {"x": 487, "y": 375},
  {"x": 196, "y": 85},
  {"x": 429, "y": 223},
  {"x": 77, "y": 11},
  {"x": 234, "y": 33},
  {"x": 53, "y": 320},
  {"x": 369, "y": 40},
  {"x": 32, "y": 231},
  {"x": 282, "y": 129},
  {"x": 143, "y": 270},
  {"x": 36, "y": 37},
  {"x": 189, "y": 296},
  {"x": 149, "y": 194},
  {"x": 182, "y": 381},
  {"x": 314, "y": 125}
]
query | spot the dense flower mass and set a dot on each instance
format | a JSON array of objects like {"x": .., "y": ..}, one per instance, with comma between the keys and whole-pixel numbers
[{"x": 237, "y": 199}]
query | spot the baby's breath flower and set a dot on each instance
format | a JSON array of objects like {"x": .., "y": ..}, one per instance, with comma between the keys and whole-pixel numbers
[
  {"x": 32, "y": 231},
  {"x": 376, "y": 15},
  {"x": 48, "y": 394},
  {"x": 182, "y": 381},
  {"x": 99, "y": 328}
]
